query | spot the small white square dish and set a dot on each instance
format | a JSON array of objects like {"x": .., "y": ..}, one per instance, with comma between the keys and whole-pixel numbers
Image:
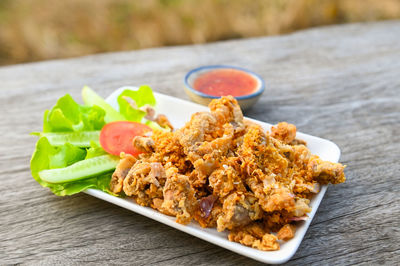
[{"x": 178, "y": 112}]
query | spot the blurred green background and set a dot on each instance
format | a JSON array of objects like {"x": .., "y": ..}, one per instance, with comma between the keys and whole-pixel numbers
[{"x": 32, "y": 30}]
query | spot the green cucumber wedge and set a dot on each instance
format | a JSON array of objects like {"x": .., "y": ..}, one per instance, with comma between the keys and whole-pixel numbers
[
  {"x": 91, "y": 98},
  {"x": 80, "y": 170},
  {"x": 80, "y": 139}
]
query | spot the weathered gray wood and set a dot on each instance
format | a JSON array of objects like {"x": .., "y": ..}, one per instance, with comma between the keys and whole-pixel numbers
[{"x": 340, "y": 83}]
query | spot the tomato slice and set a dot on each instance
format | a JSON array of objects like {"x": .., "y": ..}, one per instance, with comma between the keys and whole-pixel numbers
[{"x": 116, "y": 137}]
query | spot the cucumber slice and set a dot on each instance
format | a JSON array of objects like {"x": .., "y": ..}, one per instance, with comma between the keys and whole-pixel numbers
[
  {"x": 80, "y": 139},
  {"x": 80, "y": 170},
  {"x": 91, "y": 98}
]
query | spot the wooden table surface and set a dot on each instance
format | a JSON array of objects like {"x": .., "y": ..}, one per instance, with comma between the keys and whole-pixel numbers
[{"x": 341, "y": 83}]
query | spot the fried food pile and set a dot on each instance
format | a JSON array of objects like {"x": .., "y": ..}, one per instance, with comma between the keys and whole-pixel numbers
[{"x": 226, "y": 172}]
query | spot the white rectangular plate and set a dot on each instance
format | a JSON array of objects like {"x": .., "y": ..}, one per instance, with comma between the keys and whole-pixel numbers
[{"x": 178, "y": 112}]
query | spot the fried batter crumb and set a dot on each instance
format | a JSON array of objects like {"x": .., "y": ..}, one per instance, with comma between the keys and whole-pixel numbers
[
  {"x": 284, "y": 132},
  {"x": 286, "y": 232},
  {"x": 228, "y": 173}
]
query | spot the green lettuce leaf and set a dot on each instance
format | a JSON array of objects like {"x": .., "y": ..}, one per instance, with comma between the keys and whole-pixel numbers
[
  {"x": 101, "y": 182},
  {"x": 94, "y": 150},
  {"x": 47, "y": 156},
  {"x": 137, "y": 98},
  {"x": 91, "y": 98},
  {"x": 67, "y": 115}
]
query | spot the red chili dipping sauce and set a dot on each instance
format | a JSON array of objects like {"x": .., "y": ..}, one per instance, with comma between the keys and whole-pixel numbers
[{"x": 223, "y": 82}]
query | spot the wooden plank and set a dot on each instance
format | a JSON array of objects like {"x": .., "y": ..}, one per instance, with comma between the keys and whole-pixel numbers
[{"x": 340, "y": 83}]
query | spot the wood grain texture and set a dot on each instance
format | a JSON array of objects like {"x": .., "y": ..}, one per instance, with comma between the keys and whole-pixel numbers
[{"x": 341, "y": 83}]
